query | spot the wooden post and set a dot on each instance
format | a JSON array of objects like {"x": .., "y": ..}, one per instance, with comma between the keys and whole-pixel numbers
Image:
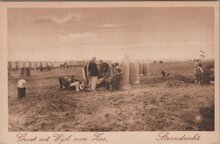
[
  {"x": 146, "y": 69},
  {"x": 13, "y": 65},
  {"x": 32, "y": 65},
  {"x": 35, "y": 65},
  {"x": 148, "y": 65},
  {"x": 134, "y": 73},
  {"x": 38, "y": 65},
  {"x": 52, "y": 64},
  {"x": 44, "y": 64},
  {"x": 22, "y": 72},
  {"x": 55, "y": 64},
  {"x": 125, "y": 70},
  {"x": 27, "y": 69},
  {"x": 22, "y": 68},
  {"x": 17, "y": 68},
  {"x": 140, "y": 68},
  {"x": 9, "y": 66}
]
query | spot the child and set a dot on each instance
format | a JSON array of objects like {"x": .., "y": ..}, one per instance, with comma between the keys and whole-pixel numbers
[
  {"x": 198, "y": 73},
  {"x": 21, "y": 88}
]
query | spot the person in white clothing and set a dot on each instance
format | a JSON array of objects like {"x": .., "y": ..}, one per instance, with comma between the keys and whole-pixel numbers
[{"x": 21, "y": 88}]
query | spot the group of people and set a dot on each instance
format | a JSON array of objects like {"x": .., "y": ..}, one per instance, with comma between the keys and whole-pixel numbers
[
  {"x": 95, "y": 76},
  {"x": 70, "y": 83},
  {"x": 199, "y": 74}
]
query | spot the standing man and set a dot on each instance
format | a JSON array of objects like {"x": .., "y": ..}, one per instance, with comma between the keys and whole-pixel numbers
[
  {"x": 93, "y": 72},
  {"x": 198, "y": 73}
]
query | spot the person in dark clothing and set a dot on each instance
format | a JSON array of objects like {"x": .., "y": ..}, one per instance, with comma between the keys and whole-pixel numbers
[
  {"x": 103, "y": 69},
  {"x": 163, "y": 73},
  {"x": 93, "y": 69},
  {"x": 116, "y": 81},
  {"x": 93, "y": 73},
  {"x": 112, "y": 81}
]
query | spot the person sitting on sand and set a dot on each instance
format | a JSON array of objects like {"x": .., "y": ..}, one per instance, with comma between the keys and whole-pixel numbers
[
  {"x": 112, "y": 81},
  {"x": 70, "y": 83},
  {"x": 104, "y": 69},
  {"x": 105, "y": 72},
  {"x": 116, "y": 81},
  {"x": 198, "y": 73}
]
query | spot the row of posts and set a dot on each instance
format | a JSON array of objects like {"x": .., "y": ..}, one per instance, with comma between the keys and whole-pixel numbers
[
  {"x": 132, "y": 71},
  {"x": 25, "y": 67},
  {"x": 15, "y": 65}
]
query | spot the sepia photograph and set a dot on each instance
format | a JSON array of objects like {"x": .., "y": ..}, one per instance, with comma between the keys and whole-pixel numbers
[{"x": 111, "y": 69}]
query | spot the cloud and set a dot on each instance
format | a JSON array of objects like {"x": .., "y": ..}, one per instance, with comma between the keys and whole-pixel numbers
[
  {"x": 58, "y": 19},
  {"x": 43, "y": 20},
  {"x": 76, "y": 35},
  {"x": 64, "y": 19},
  {"x": 109, "y": 25},
  {"x": 180, "y": 43}
]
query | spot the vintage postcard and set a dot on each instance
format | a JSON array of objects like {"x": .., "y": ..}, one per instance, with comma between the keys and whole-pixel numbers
[{"x": 109, "y": 72}]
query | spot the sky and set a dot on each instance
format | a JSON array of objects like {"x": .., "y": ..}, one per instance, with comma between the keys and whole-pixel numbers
[{"x": 110, "y": 33}]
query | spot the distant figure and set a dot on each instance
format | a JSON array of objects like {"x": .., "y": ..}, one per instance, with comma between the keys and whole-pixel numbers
[
  {"x": 63, "y": 66},
  {"x": 163, "y": 73},
  {"x": 93, "y": 73},
  {"x": 41, "y": 68},
  {"x": 198, "y": 72},
  {"x": 48, "y": 68}
]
